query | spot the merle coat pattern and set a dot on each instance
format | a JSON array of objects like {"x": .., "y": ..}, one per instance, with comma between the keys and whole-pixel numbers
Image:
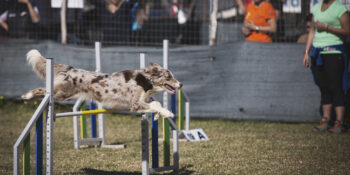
[{"x": 130, "y": 89}]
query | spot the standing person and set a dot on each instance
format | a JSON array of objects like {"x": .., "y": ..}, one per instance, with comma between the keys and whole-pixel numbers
[
  {"x": 116, "y": 22},
  {"x": 259, "y": 21},
  {"x": 19, "y": 19},
  {"x": 328, "y": 62}
]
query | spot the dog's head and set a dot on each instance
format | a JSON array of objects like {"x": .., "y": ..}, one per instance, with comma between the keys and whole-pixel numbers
[{"x": 162, "y": 79}]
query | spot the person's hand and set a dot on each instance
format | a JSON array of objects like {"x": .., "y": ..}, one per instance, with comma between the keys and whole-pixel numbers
[
  {"x": 23, "y": 1},
  {"x": 320, "y": 26},
  {"x": 249, "y": 24},
  {"x": 306, "y": 60},
  {"x": 245, "y": 31},
  {"x": 241, "y": 9}
]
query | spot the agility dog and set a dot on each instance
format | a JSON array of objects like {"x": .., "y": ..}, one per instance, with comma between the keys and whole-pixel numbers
[{"x": 126, "y": 90}]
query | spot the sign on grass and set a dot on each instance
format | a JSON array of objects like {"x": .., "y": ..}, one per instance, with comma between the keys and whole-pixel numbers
[{"x": 195, "y": 135}]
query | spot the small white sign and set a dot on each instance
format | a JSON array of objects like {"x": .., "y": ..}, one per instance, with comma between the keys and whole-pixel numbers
[
  {"x": 71, "y": 3},
  {"x": 195, "y": 135},
  {"x": 292, "y": 6}
]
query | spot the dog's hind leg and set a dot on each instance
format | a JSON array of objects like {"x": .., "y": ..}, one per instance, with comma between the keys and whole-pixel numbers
[
  {"x": 62, "y": 96},
  {"x": 34, "y": 94}
]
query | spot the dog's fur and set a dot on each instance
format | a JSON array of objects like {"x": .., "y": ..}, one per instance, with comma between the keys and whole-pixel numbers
[{"x": 130, "y": 89}]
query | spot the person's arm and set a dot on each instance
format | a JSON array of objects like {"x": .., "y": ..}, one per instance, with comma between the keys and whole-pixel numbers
[
  {"x": 270, "y": 28},
  {"x": 33, "y": 14},
  {"x": 3, "y": 23},
  {"x": 310, "y": 38},
  {"x": 240, "y": 6},
  {"x": 343, "y": 31}
]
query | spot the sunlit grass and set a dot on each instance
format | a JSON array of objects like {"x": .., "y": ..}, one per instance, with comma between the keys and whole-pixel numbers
[{"x": 235, "y": 147}]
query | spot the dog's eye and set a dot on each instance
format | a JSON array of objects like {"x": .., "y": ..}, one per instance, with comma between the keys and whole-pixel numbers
[{"x": 168, "y": 76}]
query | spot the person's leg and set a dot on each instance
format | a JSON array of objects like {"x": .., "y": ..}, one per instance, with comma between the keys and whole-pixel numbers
[
  {"x": 339, "y": 110},
  {"x": 334, "y": 64},
  {"x": 326, "y": 97},
  {"x": 326, "y": 110},
  {"x": 326, "y": 104}
]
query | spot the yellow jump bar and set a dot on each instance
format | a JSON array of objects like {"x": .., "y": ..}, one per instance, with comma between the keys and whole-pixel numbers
[
  {"x": 98, "y": 111},
  {"x": 78, "y": 113}
]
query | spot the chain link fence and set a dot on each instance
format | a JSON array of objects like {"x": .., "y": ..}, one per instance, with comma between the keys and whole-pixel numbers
[{"x": 144, "y": 22}]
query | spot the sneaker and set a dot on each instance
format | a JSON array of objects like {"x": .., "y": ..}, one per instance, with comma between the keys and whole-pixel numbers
[
  {"x": 337, "y": 127},
  {"x": 322, "y": 126}
]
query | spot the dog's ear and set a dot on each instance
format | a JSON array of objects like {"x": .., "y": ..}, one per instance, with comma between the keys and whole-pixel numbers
[{"x": 153, "y": 68}]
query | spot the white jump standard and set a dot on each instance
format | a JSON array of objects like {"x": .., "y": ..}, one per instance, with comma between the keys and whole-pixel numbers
[{"x": 101, "y": 128}]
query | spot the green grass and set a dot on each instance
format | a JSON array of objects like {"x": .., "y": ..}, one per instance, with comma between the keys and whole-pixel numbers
[{"x": 235, "y": 147}]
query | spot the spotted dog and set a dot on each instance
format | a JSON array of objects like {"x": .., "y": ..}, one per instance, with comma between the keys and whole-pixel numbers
[{"x": 126, "y": 90}]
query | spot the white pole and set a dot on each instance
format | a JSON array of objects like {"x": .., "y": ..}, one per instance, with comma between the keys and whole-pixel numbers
[
  {"x": 76, "y": 124},
  {"x": 187, "y": 127},
  {"x": 50, "y": 116},
  {"x": 142, "y": 60},
  {"x": 213, "y": 22},
  {"x": 144, "y": 129},
  {"x": 165, "y": 66},
  {"x": 98, "y": 56},
  {"x": 101, "y": 122},
  {"x": 176, "y": 150}
]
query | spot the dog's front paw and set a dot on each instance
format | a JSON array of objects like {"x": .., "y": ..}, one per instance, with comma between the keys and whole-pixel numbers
[
  {"x": 168, "y": 114},
  {"x": 156, "y": 116}
]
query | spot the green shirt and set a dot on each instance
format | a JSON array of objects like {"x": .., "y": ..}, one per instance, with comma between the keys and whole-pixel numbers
[{"x": 330, "y": 17}]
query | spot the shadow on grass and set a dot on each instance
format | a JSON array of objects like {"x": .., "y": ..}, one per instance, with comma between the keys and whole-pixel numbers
[{"x": 90, "y": 171}]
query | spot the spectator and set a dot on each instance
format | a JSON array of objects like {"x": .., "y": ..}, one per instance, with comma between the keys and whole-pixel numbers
[
  {"x": 259, "y": 21},
  {"x": 308, "y": 22},
  {"x": 116, "y": 22},
  {"x": 326, "y": 49},
  {"x": 19, "y": 19},
  {"x": 140, "y": 14}
]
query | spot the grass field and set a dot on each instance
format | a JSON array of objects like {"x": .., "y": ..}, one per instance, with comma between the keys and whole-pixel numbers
[{"x": 235, "y": 147}]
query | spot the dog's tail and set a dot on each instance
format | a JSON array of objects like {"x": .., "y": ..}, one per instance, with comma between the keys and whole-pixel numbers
[{"x": 38, "y": 62}]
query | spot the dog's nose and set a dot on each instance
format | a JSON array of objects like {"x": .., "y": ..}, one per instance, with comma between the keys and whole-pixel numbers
[{"x": 180, "y": 85}]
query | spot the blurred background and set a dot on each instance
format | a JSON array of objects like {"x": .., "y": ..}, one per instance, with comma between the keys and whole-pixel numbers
[{"x": 148, "y": 22}]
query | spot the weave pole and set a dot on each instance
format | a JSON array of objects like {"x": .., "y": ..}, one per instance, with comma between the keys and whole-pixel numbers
[
  {"x": 155, "y": 150},
  {"x": 166, "y": 127},
  {"x": 26, "y": 156},
  {"x": 39, "y": 146},
  {"x": 180, "y": 106},
  {"x": 83, "y": 130},
  {"x": 93, "y": 121}
]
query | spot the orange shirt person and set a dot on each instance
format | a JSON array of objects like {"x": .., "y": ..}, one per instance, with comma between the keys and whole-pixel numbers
[{"x": 259, "y": 22}]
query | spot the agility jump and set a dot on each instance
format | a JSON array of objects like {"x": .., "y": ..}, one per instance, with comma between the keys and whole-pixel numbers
[{"x": 48, "y": 102}]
